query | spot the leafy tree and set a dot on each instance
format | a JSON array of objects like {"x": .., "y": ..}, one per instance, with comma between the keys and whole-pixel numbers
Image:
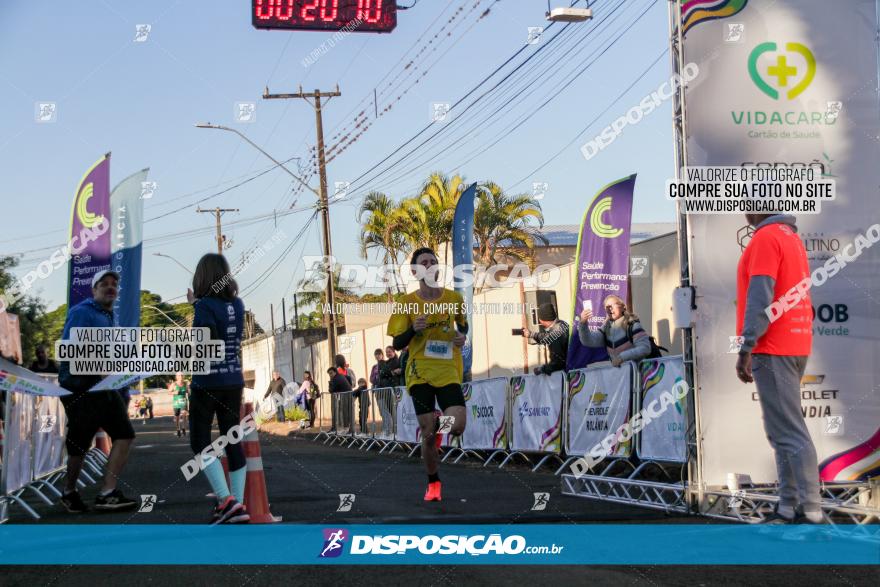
[
  {"x": 158, "y": 314},
  {"x": 29, "y": 309}
]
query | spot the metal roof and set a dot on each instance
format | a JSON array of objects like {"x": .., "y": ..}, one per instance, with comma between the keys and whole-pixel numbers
[{"x": 566, "y": 235}]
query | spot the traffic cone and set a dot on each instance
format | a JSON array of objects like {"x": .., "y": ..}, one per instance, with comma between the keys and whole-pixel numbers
[
  {"x": 102, "y": 442},
  {"x": 256, "y": 500}
]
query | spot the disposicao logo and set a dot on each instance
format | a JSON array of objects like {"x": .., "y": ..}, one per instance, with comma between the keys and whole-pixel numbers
[
  {"x": 781, "y": 72},
  {"x": 334, "y": 539}
]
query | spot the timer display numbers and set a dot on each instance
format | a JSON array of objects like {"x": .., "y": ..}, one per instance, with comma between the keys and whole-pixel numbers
[{"x": 356, "y": 16}]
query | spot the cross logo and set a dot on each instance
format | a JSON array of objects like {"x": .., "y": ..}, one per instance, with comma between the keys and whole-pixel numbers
[
  {"x": 782, "y": 72},
  {"x": 541, "y": 501},
  {"x": 346, "y": 500}
]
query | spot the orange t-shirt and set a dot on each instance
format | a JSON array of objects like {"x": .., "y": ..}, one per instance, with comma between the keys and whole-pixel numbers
[{"x": 777, "y": 251}]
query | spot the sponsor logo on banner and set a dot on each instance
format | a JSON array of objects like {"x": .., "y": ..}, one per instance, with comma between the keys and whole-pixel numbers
[
  {"x": 525, "y": 411},
  {"x": 694, "y": 13},
  {"x": 482, "y": 412},
  {"x": 782, "y": 72},
  {"x": 334, "y": 539}
]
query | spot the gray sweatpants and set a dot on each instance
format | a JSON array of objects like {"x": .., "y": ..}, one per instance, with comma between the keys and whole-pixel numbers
[{"x": 778, "y": 380}]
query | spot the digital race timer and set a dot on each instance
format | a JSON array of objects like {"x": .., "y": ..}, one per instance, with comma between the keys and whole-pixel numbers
[{"x": 371, "y": 16}]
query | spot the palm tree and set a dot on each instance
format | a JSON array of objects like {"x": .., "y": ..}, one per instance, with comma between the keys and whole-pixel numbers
[
  {"x": 503, "y": 226},
  {"x": 425, "y": 220},
  {"x": 312, "y": 290},
  {"x": 375, "y": 235}
]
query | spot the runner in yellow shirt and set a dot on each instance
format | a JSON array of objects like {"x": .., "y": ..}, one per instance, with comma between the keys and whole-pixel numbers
[{"x": 432, "y": 321}]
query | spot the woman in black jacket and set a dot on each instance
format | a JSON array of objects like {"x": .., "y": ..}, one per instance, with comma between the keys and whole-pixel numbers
[{"x": 214, "y": 296}]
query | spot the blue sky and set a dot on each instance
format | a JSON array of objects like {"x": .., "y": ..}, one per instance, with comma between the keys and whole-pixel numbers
[{"x": 142, "y": 100}]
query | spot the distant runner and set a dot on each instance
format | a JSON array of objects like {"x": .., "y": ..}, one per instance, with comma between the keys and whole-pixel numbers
[
  {"x": 434, "y": 369},
  {"x": 180, "y": 403}
]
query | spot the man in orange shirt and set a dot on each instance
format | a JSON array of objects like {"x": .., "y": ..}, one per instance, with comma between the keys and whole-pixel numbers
[{"x": 774, "y": 353}]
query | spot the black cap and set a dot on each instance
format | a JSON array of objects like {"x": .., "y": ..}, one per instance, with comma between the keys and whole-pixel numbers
[{"x": 547, "y": 312}]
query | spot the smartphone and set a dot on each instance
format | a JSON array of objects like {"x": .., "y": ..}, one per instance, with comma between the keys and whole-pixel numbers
[
  {"x": 516, "y": 332},
  {"x": 588, "y": 305}
]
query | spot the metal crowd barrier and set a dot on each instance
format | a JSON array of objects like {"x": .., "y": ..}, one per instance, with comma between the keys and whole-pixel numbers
[
  {"x": 33, "y": 456},
  {"x": 536, "y": 418}
]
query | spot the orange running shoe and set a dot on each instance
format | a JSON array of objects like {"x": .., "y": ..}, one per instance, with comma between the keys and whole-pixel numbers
[{"x": 433, "y": 492}]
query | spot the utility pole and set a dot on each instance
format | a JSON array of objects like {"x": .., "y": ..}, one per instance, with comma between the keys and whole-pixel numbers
[
  {"x": 217, "y": 212},
  {"x": 316, "y": 96}
]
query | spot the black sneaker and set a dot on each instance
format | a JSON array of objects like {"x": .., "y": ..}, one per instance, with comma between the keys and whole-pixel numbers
[
  {"x": 230, "y": 511},
  {"x": 178, "y": 433},
  {"x": 74, "y": 503},
  {"x": 114, "y": 501}
]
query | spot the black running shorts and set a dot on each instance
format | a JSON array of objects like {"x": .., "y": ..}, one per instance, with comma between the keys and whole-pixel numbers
[
  {"x": 87, "y": 412},
  {"x": 423, "y": 396}
]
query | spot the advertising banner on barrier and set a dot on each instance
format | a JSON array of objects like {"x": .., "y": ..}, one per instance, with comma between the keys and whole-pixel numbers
[
  {"x": 49, "y": 434},
  {"x": 18, "y": 379},
  {"x": 17, "y": 447},
  {"x": 383, "y": 412},
  {"x": 486, "y": 406},
  {"x": 663, "y": 439},
  {"x": 599, "y": 402},
  {"x": 789, "y": 84},
  {"x": 405, "y": 415},
  {"x": 536, "y": 412}
]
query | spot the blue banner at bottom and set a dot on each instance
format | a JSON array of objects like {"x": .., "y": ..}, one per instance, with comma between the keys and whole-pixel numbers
[{"x": 606, "y": 544}]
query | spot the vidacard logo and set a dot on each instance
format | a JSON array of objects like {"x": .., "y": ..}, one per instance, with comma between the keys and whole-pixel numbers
[
  {"x": 334, "y": 540},
  {"x": 783, "y": 74},
  {"x": 786, "y": 72}
]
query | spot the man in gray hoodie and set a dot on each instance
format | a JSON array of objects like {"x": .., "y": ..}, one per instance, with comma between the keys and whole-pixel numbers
[{"x": 774, "y": 355}]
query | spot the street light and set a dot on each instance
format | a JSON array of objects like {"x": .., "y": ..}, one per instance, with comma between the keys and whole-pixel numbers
[
  {"x": 323, "y": 206},
  {"x": 569, "y": 14},
  {"x": 175, "y": 260},
  {"x": 258, "y": 148},
  {"x": 164, "y": 314}
]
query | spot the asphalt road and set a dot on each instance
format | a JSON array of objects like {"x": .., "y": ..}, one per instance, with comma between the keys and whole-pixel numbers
[{"x": 304, "y": 480}]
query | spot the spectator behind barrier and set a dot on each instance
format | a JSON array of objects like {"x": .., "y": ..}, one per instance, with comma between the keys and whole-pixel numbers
[
  {"x": 554, "y": 336},
  {"x": 374, "y": 373},
  {"x": 622, "y": 334},
  {"x": 390, "y": 372}
]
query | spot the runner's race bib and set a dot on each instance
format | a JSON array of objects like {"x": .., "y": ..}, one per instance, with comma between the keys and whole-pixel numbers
[{"x": 438, "y": 349}]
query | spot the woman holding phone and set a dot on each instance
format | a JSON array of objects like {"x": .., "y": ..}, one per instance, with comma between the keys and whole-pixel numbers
[
  {"x": 622, "y": 334},
  {"x": 214, "y": 296}
]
